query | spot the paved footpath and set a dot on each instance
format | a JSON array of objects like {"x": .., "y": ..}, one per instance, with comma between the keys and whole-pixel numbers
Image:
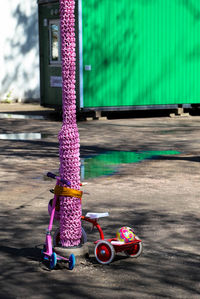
[{"x": 158, "y": 197}]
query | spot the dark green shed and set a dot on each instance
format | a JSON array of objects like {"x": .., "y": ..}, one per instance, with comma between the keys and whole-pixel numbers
[{"x": 131, "y": 54}]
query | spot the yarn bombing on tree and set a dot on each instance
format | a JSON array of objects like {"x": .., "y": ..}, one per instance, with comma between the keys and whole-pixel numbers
[{"x": 69, "y": 149}]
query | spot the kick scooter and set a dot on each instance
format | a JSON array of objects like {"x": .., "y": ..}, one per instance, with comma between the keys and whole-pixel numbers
[{"x": 48, "y": 252}]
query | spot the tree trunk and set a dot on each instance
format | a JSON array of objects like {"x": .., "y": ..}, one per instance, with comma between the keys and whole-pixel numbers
[{"x": 70, "y": 207}]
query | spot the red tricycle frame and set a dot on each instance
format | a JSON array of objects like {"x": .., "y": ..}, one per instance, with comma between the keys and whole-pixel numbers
[{"x": 106, "y": 249}]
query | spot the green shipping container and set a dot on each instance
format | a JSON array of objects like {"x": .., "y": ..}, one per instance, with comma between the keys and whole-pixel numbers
[{"x": 131, "y": 54}]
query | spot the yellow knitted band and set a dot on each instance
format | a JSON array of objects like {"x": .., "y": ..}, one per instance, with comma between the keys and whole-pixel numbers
[{"x": 64, "y": 191}]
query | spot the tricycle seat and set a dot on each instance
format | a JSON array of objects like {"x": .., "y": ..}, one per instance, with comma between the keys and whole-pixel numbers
[{"x": 92, "y": 215}]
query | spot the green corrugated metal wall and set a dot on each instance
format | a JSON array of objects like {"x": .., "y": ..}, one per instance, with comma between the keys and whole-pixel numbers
[{"x": 141, "y": 52}]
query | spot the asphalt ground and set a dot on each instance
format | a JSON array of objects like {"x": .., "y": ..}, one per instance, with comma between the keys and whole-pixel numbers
[{"x": 158, "y": 197}]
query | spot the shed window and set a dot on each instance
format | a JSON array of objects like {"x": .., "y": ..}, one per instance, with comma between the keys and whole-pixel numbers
[{"x": 54, "y": 39}]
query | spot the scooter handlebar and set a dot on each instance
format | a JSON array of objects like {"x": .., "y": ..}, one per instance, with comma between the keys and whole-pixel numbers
[{"x": 53, "y": 176}]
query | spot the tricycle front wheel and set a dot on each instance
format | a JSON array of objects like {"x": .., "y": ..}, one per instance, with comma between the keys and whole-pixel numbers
[
  {"x": 135, "y": 250},
  {"x": 104, "y": 252}
]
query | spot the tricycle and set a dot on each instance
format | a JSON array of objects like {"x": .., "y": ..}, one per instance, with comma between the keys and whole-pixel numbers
[{"x": 106, "y": 249}]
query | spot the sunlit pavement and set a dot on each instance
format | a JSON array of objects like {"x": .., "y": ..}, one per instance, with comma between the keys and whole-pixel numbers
[{"x": 158, "y": 196}]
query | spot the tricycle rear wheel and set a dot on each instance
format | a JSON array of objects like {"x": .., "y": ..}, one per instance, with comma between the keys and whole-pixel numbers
[{"x": 135, "y": 250}]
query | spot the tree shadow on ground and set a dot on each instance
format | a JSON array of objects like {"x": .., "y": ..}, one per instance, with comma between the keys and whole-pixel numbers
[
  {"x": 181, "y": 158},
  {"x": 167, "y": 261}
]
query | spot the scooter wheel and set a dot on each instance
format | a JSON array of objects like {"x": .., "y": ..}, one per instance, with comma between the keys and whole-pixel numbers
[
  {"x": 135, "y": 250},
  {"x": 53, "y": 260},
  {"x": 104, "y": 252},
  {"x": 72, "y": 261}
]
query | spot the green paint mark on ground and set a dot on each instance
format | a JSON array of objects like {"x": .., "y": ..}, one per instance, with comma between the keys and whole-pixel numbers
[{"x": 108, "y": 163}]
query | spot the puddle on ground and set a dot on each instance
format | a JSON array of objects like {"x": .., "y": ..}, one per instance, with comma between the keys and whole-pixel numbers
[
  {"x": 108, "y": 163},
  {"x": 23, "y": 136},
  {"x": 20, "y": 116}
]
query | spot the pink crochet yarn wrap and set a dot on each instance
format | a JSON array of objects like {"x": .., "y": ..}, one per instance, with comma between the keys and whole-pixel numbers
[{"x": 70, "y": 207}]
